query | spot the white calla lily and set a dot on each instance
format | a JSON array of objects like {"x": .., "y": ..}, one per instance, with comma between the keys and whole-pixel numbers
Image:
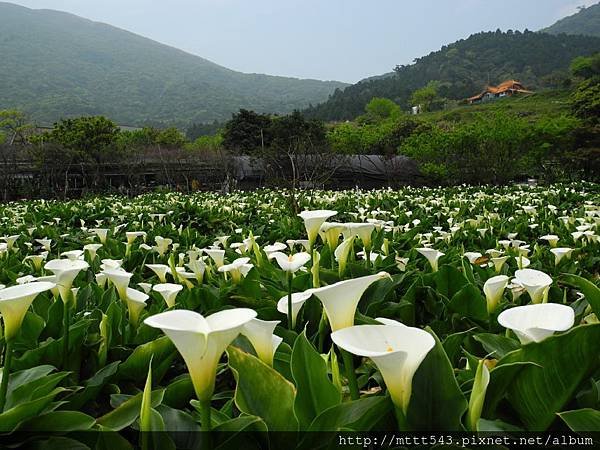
[
  {"x": 260, "y": 334},
  {"x": 15, "y": 301},
  {"x": 536, "y": 282},
  {"x": 136, "y": 302},
  {"x": 432, "y": 256},
  {"x": 534, "y": 323},
  {"x": 217, "y": 255},
  {"x": 341, "y": 299},
  {"x": 313, "y": 221},
  {"x": 161, "y": 271},
  {"x": 65, "y": 272},
  {"x": 291, "y": 263},
  {"x": 493, "y": 290},
  {"x": 298, "y": 299},
  {"x": 168, "y": 291},
  {"x": 560, "y": 253},
  {"x": 201, "y": 341},
  {"x": 120, "y": 278},
  {"x": 396, "y": 350}
]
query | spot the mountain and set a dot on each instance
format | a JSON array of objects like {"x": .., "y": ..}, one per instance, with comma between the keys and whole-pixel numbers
[
  {"x": 464, "y": 68},
  {"x": 586, "y": 21},
  {"x": 54, "y": 64}
]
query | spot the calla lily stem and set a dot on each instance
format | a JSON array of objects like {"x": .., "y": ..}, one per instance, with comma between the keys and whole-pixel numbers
[
  {"x": 66, "y": 324},
  {"x": 349, "y": 366},
  {"x": 401, "y": 419},
  {"x": 290, "y": 277},
  {"x": 5, "y": 373},
  {"x": 205, "y": 415}
]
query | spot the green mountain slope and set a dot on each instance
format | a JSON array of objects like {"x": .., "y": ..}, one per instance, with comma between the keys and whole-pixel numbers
[
  {"x": 586, "y": 21},
  {"x": 464, "y": 68},
  {"x": 55, "y": 65}
]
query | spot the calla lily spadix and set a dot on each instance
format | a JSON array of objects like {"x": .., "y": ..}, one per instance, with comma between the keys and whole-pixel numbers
[
  {"x": 313, "y": 221},
  {"x": 168, "y": 291},
  {"x": 432, "y": 256},
  {"x": 397, "y": 351},
  {"x": 65, "y": 272},
  {"x": 534, "y": 323},
  {"x": 493, "y": 290},
  {"x": 260, "y": 334},
  {"x": 341, "y": 299},
  {"x": 201, "y": 341},
  {"x": 536, "y": 282},
  {"x": 291, "y": 263},
  {"x": 298, "y": 299}
]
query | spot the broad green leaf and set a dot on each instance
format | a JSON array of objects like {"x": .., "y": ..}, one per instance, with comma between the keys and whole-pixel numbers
[
  {"x": 582, "y": 419},
  {"x": 315, "y": 391},
  {"x": 161, "y": 351},
  {"x": 238, "y": 434},
  {"x": 449, "y": 280},
  {"x": 437, "y": 402},
  {"x": 589, "y": 290},
  {"x": 11, "y": 418},
  {"x": 362, "y": 414},
  {"x": 496, "y": 345},
  {"x": 469, "y": 302},
  {"x": 538, "y": 393},
  {"x": 263, "y": 392},
  {"x": 59, "y": 421},
  {"x": 92, "y": 386},
  {"x": 126, "y": 413}
]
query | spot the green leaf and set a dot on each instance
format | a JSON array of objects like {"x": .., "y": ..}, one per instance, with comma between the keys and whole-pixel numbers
[
  {"x": 11, "y": 418},
  {"x": 538, "y": 393},
  {"x": 161, "y": 351},
  {"x": 126, "y": 413},
  {"x": 470, "y": 302},
  {"x": 589, "y": 290},
  {"x": 315, "y": 391},
  {"x": 449, "y": 281},
  {"x": 261, "y": 391},
  {"x": 436, "y": 403},
  {"x": 587, "y": 419},
  {"x": 362, "y": 414},
  {"x": 92, "y": 386},
  {"x": 58, "y": 422},
  {"x": 496, "y": 345}
]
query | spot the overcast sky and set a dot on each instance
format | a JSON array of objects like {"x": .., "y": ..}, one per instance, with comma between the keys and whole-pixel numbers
[{"x": 344, "y": 40}]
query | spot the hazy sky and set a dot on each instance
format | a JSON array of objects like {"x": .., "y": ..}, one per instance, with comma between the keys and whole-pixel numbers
[{"x": 344, "y": 40}]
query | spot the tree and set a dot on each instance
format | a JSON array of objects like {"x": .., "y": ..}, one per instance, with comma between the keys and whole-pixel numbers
[
  {"x": 380, "y": 109},
  {"x": 247, "y": 131},
  {"x": 14, "y": 127},
  {"x": 586, "y": 67},
  {"x": 426, "y": 96}
]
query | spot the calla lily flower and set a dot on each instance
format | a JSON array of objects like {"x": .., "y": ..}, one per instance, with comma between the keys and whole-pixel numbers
[
  {"x": 291, "y": 263},
  {"x": 472, "y": 256},
  {"x": 313, "y": 221},
  {"x": 343, "y": 252},
  {"x": 168, "y": 291},
  {"x": 341, "y": 299},
  {"x": 534, "y": 323},
  {"x": 298, "y": 299},
  {"x": 65, "y": 272},
  {"x": 260, "y": 334},
  {"x": 536, "y": 282},
  {"x": 14, "y": 303},
  {"x": 120, "y": 279},
  {"x": 102, "y": 233},
  {"x": 37, "y": 260},
  {"x": 331, "y": 232},
  {"x": 560, "y": 253},
  {"x": 493, "y": 290},
  {"x": 238, "y": 268},
  {"x": 499, "y": 262},
  {"x": 161, "y": 271},
  {"x": 432, "y": 256},
  {"x": 92, "y": 249},
  {"x": 217, "y": 255},
  {"x": 10, "y": 241},
  {"x": 201, "y": 341},
  {"x": 136, "y": 302},
  {"x": 276, "y": 247},
  {"x": 396, "y": 350},
  {"x": 133, "y": 235},
  {"x": 363, "y": 231},
  {"x": 551, "y": 239}
]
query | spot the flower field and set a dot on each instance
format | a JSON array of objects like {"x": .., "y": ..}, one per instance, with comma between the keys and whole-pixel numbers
[{"x": 458, "y": 309}]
